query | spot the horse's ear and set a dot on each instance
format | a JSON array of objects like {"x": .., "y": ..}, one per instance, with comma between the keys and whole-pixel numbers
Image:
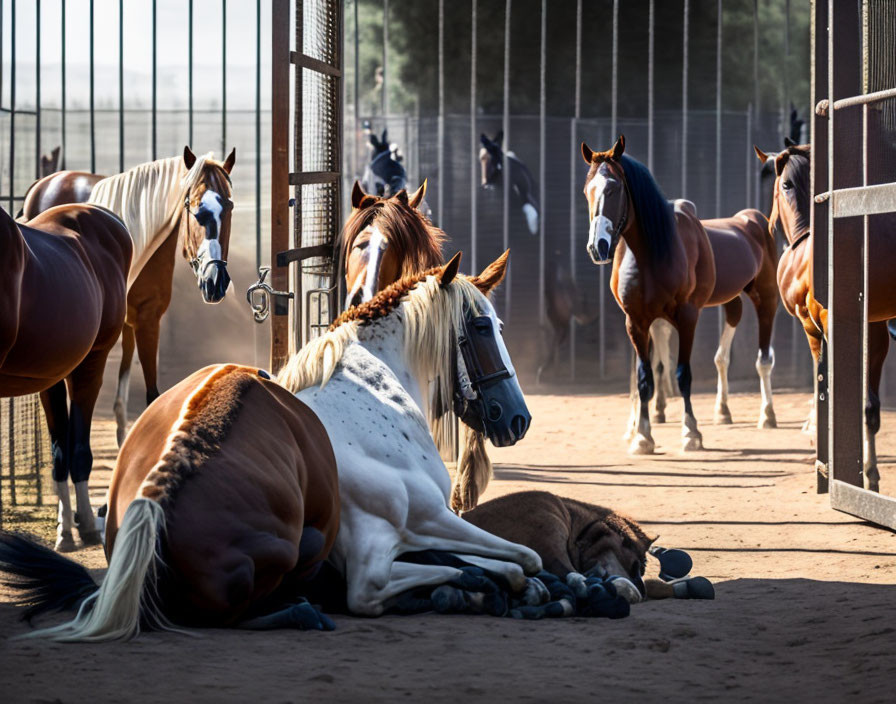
[
  {"x": 358, "y": 195},
  {"x": 781, "y": 162},
  {"x": 499, "y": 138},
  {"x": 449, "y": 271},
  {"x": 402, "y": 196},
  {"x": 618, "y": 148},
  {"x": 189, "y": 158},
  {"x": 485, "y": 141},
  {"x": 788, "y": 142},
  {"x": 763, "y": 157},
  {"x": 492, "y": 275},
  {"x": 385, "y": 137},
  {"x": 374, "y": 142},
  {"x": 417, "y": 196},
  {"x": 587, "y": 154},
  {"x": 230, "y": 161}
]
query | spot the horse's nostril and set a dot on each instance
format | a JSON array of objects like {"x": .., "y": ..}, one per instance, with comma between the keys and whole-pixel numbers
[
  {"x": 603, "y": 248},
  {"x": 519, "y": 425}
]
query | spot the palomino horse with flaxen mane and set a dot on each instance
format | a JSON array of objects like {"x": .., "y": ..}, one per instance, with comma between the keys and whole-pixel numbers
[
  {"x": 791, "y": 205},
  {"x": 667, "y": 265},
  {"x": 223, "y": 503},
  {"x": 182, "y": 198},
  {"x": 62, "y": 306}
]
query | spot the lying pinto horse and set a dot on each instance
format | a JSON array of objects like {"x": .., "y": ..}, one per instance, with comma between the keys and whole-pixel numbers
[{"x": 223, "y": 501}]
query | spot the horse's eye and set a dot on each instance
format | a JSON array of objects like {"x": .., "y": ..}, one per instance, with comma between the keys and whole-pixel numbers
[
  {"x": 483, "y": 326},
  {"x": 362, "y": 245},
  {"x": 786, "y": 185}
]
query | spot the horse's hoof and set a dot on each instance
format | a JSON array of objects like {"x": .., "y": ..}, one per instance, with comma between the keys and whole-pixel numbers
[
  {"x": 674, "y": 563},
  {"x": 723, "y": 415},
  {"x": 626, "y": 589},
  {"x": 694, "y": 588},
  {"x": 91, "y": 538},
  {"x": 65, "y": 542},
  {"x": 642, "y": 445},
  {"x": 658, "y": 418},
  {"x": 692, "y": 443}
]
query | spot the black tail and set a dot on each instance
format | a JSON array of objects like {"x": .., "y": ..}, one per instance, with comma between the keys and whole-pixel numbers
[{"x": 45, "y": 581}]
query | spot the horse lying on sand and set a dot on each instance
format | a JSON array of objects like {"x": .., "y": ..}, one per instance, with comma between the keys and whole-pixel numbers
[
  {"x": 224, "y": 500},
  {"x": 62, "y": 306}
]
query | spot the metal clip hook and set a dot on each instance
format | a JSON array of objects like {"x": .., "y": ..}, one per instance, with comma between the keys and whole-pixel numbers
[{"x": 262, "y": 309}]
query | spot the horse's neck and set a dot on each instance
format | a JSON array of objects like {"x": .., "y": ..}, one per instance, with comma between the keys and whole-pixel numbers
[{"x": 383, "y": 340}]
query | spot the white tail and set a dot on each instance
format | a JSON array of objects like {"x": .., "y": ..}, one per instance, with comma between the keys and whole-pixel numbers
[{"x": 114, "y": 611}]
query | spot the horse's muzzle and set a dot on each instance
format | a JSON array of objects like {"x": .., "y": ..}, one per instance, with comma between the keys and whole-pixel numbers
[
  {"x": 601, "y": 254},
  {"x": 213, "y": 281},
  {"x": 506, "y": 416}
]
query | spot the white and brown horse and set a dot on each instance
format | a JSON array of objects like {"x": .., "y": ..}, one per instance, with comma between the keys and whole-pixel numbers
[
  {"x": 224, "y": 502},
  {"x": 186, "y": 199},
  {"x": 62, "y": 306}
]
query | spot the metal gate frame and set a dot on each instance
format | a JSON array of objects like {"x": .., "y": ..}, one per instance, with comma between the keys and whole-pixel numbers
[{"x": 841, "y": 214}]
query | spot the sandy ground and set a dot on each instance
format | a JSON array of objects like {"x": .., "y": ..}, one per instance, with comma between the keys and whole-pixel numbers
[{"x": 805, "y": 607}]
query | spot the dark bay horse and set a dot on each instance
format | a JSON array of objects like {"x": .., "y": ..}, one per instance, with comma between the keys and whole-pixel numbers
[
  {"x": 186, "y": 199},
  {"x": 663, "y": 267},
  {"x": 384, "y": 175},
  {"x": 790, "y": 212},
  {"x": 62, "y": 306},
  {"x": 522, "y": 185},
  {"x": 224, "y": 500}
]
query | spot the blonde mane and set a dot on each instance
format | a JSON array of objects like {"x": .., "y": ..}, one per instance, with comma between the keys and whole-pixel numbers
[{"x": 149, "y": 199}]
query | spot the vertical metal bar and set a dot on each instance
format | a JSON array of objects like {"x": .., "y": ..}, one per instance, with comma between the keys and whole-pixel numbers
[
  {"x": 257, "y": 131},
  {"x": 474, "y": 141},
  {"x": 92, "y": 96},
  {"x": 12, "y": 148},
  {"x": 574, "y": 160},
  {"x": 301, "y": 311},
  {"x": 384, "y": 97},
  {"x": 719, "y": 109},
  {"x": 614, "y": 131},
  {"x": 845, "y": 308},
  {"x": 542, "y": 158},
  {"x": 280, "y": 17},
  {"x": 650, "y": 46},
  {"x": 223, "y": 78},
  {"x": 357, "y": 99},
  {"x": 756, "y": 97},
  {"x": 37, "y": 154},
  {"x": 121, "y": 85},
  {"x": 190, "y": 73},
  {"x": 12, "y": 405},
  {"x": 35, "y": 424},
  {"x": 440, "y": 123},
  {"x": 154, "y": 82},
  {"x": 684, "y": 98},
  {"x": 62, "y": 116},
  {"x": 505, "y": 178},
  {"x": 749, "y": 150}
]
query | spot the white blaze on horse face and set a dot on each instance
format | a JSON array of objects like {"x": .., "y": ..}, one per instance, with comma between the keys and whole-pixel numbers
[
  {"x": 601, "y": 229},
  {"x": 486, "y": 308},
  {"x": 375, "y": 248},
  {"x": 213, "y": 203}
]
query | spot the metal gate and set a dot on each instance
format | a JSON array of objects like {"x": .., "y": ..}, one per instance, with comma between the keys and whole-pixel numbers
[
  {"x": 854, "y": 89},
  {"x": 312, "y": 283}
]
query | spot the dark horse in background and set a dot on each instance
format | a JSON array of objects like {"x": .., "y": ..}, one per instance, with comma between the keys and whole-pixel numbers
[
  {"x": 563, "y": 300},
  {"x": 385, "y": 175}
]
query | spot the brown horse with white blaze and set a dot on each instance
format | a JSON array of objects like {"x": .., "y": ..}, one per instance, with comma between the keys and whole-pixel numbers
[
  {"x": 62, "y": 306},
  {"x": 186, "y": 199},
  {"x": 223, "y": 503}
]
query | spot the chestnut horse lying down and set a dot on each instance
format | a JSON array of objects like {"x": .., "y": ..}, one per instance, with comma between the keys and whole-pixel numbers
[{"x": 224, "y": 499}]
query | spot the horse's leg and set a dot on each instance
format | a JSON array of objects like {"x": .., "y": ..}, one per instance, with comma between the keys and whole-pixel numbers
[
  {"x": 124, "y": 383},
  {"x": 878, "y": 345},
  {"x": 84, "y": 387},
  {"x": 766, "y": 307},
  {"x": 55, "y": 404},
  {"x": 632, "y": 426},
  {"x": 686, "y": 318},
  {"x": 815, "y": 347},
  {"x": 147, "y": 334},
  {"x": 659, "y": 349},
  {"x": 642, "y": 443},
  {"x": 733, "y": 311},
  {"x": 300, "y": 615}
]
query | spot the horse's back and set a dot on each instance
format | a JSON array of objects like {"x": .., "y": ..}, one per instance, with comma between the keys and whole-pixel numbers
[
  {"x": 244, "y": 471},
  {"x": 740, "y": 245},
  {"x": 58, "y": 188}
]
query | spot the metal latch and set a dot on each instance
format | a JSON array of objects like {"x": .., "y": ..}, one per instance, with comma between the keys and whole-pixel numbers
[{"x": 257, "y": 295}]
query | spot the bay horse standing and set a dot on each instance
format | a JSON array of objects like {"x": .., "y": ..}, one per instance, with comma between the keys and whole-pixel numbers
[
  {"x": 223, "y": 503},
  {"x": 791, "y": 206},
  {"x": 186, "y": 199},
  {"x": 62, "y": 306}
]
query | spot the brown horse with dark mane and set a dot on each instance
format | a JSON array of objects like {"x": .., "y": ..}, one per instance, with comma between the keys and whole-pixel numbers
[
  {"x": 62, "y": 306},
  {"x": 223, "y": 503},
  {"x": 186, "y": 199},
  {"x": 791, "y": 205}
]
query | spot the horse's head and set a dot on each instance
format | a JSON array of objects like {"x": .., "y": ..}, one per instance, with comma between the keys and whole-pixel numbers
[
  {"x": 208, "y": 207},
  {"x": 491, "y": 157},
  {"x": 385, "y": 239},
  {"x": 385, "y": 174},
  {"x": 487, "y": 394},
  {"x": 608, "y": 200},
  {"x": 791, "y": 203}
]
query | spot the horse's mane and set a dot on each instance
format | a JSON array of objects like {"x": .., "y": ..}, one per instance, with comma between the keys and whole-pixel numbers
[
  {"x": 149, "y": 198},
  {"x": 653, "y": 211},
  {"x": 796, "y": 170},
  {"x": 408, "y": 231}
]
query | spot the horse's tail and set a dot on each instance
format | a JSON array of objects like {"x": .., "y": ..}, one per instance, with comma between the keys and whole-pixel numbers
[{"x": 125, "y": 600}]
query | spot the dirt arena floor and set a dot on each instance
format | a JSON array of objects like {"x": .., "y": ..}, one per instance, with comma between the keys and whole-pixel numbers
[{"x": 805, "y": 607}]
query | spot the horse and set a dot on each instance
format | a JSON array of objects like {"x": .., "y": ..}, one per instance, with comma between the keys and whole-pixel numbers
[
  {"x": 791, "y": 207},
  {"x": 181, "y": 198},
  {"x": 384, "y": 175},
  {"x": 522, "y": 185},
  {"x": 63, "y": 286},
  {"x": 578, "y": 540},
  {"x": 223, "y": 503},
  {"x": 367, "y": 380}
]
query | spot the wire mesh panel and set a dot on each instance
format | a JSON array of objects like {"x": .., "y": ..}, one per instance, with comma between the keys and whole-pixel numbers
[{"x": 25, "y": 453}]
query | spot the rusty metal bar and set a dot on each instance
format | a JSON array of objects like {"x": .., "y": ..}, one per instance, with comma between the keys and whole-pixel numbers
[{"x": 309, "y": 62}]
